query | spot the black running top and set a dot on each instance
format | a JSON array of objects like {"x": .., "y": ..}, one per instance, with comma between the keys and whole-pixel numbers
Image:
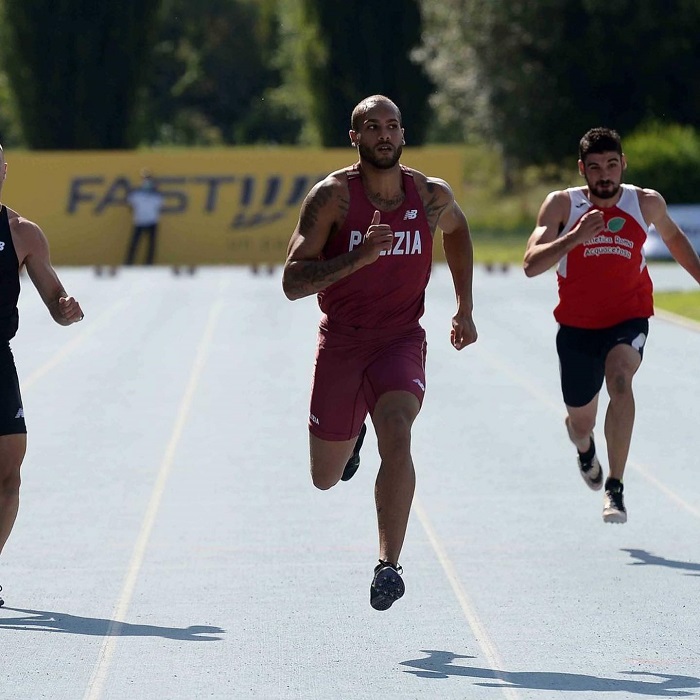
[{"x": 9, "y": 280}]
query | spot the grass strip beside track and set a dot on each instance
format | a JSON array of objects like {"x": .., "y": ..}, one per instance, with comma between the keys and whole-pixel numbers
[{"x": 682, "y": 303}]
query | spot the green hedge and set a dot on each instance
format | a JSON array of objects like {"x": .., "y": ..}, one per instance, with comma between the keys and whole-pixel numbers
[{"x": 665, "y": 158}]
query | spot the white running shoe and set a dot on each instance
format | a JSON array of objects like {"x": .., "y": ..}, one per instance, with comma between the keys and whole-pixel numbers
[{"x": 614, "y": 510}]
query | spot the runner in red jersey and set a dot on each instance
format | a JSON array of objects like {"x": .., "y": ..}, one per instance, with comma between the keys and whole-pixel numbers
[
  {"x": 363, "y": 245},
  {"x": 595, "y": 233}
]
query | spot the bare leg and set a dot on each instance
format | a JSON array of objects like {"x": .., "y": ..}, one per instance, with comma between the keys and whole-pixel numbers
[
  {"x": 12, "y": 451},
  {"x": 393, "y": 417},
  {"x": 580, "y": 422},
  {"x": 328, "y": 459},
  {"x": 621, "y": 365}
]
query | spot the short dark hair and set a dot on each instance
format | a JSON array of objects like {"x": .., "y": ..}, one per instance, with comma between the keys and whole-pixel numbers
[
  {"x": 599, "y": 140},
  {"x": 369, "y": 103}
]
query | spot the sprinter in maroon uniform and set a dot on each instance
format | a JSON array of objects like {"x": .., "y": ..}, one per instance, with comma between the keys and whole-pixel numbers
[
  {"x": 21, "y": 243},
  {"x": 364, "y": 245}
]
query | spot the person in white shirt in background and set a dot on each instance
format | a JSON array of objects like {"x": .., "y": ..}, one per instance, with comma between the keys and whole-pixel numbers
[{"x": 146, "y": 203}]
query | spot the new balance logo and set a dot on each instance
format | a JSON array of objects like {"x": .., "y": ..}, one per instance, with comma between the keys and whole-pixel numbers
[
  {"x": 314, "y": 419},
  {"x": 20, "y": 413},
  {"x": 410, "y": 214},
  {"x": 420, "y": 384}
]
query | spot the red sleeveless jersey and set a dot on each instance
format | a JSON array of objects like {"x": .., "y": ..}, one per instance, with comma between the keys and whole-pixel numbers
[
  {"x": 605, "y": 280},
  {"x": 390, "y": 292}
]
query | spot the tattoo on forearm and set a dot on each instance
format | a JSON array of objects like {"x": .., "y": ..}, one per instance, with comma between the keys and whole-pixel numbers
[{"x": 313, "y": 276}]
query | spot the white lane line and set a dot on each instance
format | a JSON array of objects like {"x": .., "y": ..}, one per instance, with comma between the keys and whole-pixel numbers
[
  {"x": 478, "y": 630},
  {"x": 99, "y": 673},
  {"x": 89, "y": 329},
  {"x": 477, "y": 627},
  {"x": 558, "y": 407},
  {"x": 646, "y": 474}
]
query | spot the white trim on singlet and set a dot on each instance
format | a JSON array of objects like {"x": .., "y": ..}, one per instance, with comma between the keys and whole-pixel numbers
[{"x": 580, "y": 204}]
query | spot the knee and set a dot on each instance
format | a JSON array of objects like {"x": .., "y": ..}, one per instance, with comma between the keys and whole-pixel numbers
[
  {"x": 323, "y": 482},
  {"x": 394, "y": 435},
  {"x": 322, "y": 476},
  {"x": 620, "y": 368},
  {"x": 10, "y": 483},
  {"x": 619, "y": 382},
  {"x": 581, "y": 425}
]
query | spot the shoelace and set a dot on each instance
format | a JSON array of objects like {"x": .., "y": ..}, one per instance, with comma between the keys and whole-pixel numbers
[
  {"x": 586, "y": 466},
  {"x": 615, "y": 497},
  {"x": 396, "y": 567}
]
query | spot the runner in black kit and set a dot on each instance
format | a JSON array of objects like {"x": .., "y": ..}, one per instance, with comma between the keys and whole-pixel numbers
[{"x": 21, "y": 243}]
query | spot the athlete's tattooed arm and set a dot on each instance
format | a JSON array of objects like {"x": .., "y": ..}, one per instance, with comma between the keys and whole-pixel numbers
[
  {"x": 322, "y": 213},
  {"x": 435, "y": 200},
  {"x": 301, "y": 278}
]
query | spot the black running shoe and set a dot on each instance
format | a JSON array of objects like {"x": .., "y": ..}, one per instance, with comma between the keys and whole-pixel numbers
[
  {"x": 354, "y": 462},
  {"x": 387, "y": 585},
  {"x": 590, "y": 468},
  {"x": 614, "y": 510},
  {"x": 588, "y": 464}
]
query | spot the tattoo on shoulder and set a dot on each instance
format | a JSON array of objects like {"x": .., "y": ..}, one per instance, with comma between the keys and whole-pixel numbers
[
  {"x": 313, "y": 204},
  {"x": 434, "y": 203},
  {"x": 323, "y": 196}
]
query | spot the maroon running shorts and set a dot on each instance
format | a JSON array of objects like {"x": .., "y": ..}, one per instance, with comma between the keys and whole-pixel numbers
[{"x": 354, "y": 367}]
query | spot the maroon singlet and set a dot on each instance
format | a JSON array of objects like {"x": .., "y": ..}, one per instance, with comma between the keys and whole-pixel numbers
[{"x": 390, "y": 292}]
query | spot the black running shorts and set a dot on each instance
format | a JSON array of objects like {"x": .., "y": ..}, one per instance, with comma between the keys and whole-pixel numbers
[
  {"x": 582, "y": 353},
  {"x": 11, "y": 410}
]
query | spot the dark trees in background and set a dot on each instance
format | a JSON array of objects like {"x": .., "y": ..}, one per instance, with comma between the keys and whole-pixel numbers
[
  {"x": 363, "y": 48},
  {"x": 76, "y": 68},
  {"x": 212, "y": 68},
  {"x": 536, "y": 75}
]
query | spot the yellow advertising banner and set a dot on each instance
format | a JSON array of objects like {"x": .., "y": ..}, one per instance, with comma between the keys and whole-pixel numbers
[{"x": 221, "y": 206}]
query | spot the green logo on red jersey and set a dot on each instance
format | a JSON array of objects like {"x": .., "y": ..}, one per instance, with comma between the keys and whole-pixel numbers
[{"x": 616, "y": 224}]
